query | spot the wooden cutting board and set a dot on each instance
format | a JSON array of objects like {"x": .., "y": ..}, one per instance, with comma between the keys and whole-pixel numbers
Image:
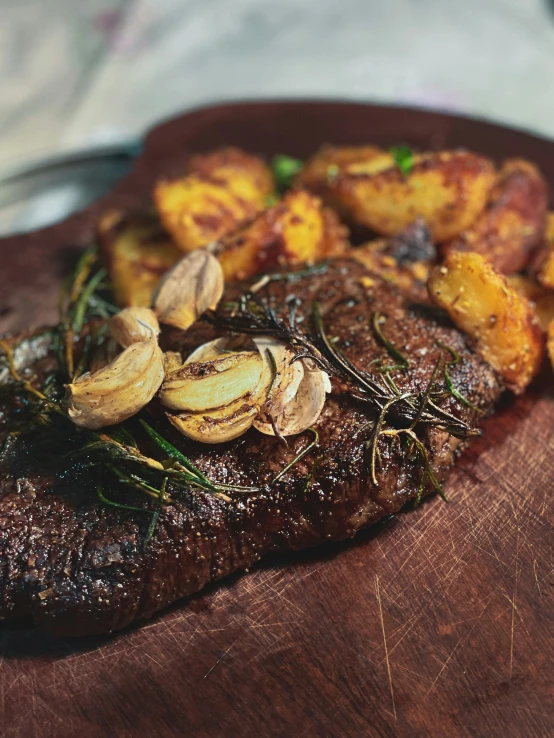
[{"x": 438, "y": 623}]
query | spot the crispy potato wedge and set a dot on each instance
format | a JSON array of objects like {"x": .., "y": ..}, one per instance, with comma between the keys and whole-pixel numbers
[
  {"x": 137, "y": 253},
  {"x": 545, "y": 272},
  {"x": 512, "y": 226},
  {"x": 542, "y": 300},
  {"x": 297, "y": 230},
  {"x": 222, "y": 191},
  {"x": 404, "y": 260},
  {"x": 449, "y": 189},
  {"x": 499, "y": 319}
]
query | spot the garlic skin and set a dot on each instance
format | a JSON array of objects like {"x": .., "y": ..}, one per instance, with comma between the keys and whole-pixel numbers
[
  {"x": 194, "y": 285},
  {"x": 132, "y": 325},
  {"x": 294, "y": 403},
  {"x": 306, "y": 406},
  {"x": 284, "y": 385},
  {"x": 118, "y": 390},
  {"x": 200, "y": 386}
]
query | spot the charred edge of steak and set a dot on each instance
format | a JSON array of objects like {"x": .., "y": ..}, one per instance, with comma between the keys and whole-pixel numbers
[{"x": 78, "y": 568}]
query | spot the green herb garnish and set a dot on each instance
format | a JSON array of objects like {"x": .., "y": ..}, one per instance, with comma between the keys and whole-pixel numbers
[
  {"x": 456, "y": 358},
  {"x": 300, "y": 456},
  {"x": 403, "y": 158},
  {"x": 378, "y": 321},
  {"x": 285, "y": 168}
]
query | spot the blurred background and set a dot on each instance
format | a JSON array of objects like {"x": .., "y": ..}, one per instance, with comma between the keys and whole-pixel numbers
[{"x": 77, "y": 73}]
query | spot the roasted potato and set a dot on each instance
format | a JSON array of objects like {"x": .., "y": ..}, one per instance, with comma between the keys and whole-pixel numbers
[
  {"x": 404, "y": 260},
  {"x": 512, "y": 225},
  {"x": 545, "y": 272},
  {"x": 449, "y": 189},
  {"x": 330, "y": 161},
  {"x": 222, "y": 191},
  {"x": 542, "y": 300},
  {"x": 297, "y": 230},
  {"x": 498, "y": 318},
  {"x": 137, "y": 253}
]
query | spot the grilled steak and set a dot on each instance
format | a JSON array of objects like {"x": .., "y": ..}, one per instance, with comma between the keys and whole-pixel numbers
[{"x": 78, "y": 567}]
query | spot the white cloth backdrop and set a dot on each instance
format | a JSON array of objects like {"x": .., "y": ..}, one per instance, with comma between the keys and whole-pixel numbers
[{"x": 75, "y": 72}]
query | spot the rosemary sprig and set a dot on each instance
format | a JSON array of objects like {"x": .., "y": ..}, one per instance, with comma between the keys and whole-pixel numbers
[
  {"x": 377, "y": 321},
  {"x": 456, "y": 358},
  {"x": 300, "y": 456},
  {"x": 175, "y": 454},
  {"x": 377, "y": 431},
  {"x": 102, "y": 497},
  {"x": 79, "y": 301},
  {"x": 426, "y": 395},
  {"x": 252, "y": 316},
  {"x": 156, "y": 513},
  {"x": 428, "y": 469},
  {"x": 310, "y": 476},
  {"x": 310, "y": 271},
  {"x": 82, "y": 302},
  {"x": 45, "y": 402}
]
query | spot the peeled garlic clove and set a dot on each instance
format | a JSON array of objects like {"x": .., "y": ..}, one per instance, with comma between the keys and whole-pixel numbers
[
  {"x": 194, "y": 285},
  {"x": 133, "y": 324},
  {"x": 120, "y": 389},
  {"x": 306, "y": 406},
  {"x": 206, "y": 385},
  {"x": 216, "y": 426},
  {"x": 284, "y": 385}
]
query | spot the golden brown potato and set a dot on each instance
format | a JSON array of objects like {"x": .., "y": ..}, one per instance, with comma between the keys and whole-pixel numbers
[
  {"x": 545, "y": 273},
  {"x": 329, "y": 161},
  {"x": 499, "y": 319},
  {"x": 541, "y": 300},
  {"x": 136, "y": 252},
  {"x": 297, "y": 230},
  {"x": 512, "y": 225},
  {"x": 404, "y": 260},
  {"x": 449, "y": 189},
  {"x": 223, "y": 190}
]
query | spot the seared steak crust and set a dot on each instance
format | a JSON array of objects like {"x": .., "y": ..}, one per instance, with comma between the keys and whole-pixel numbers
[{"x": 77, "y": 567}]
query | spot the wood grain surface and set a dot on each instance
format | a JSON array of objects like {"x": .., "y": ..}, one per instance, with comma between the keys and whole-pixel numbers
[{"x": 438, "y": 623}]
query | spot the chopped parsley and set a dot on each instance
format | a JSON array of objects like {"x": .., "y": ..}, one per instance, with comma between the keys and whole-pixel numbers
[
  {"x": 403, "y": 157},
  {"x": 284, "y": 170}
]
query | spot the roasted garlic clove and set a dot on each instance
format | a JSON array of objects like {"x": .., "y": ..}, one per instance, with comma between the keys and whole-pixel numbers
[
  {"x": 208, "y": 351},
  {"x": 201, "y": 386},
  {"x": 220, "y": 347},
  {"x": 132, "y": 325},
  {"x": 216, "y": 426},
  {"x": 194, "y": 285},
  {"x": 303, "y": 410},
  {"x": 286, "y": 378},
  {"x": 172, "y": 361},
  {"x": 120, "y": 389}
]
